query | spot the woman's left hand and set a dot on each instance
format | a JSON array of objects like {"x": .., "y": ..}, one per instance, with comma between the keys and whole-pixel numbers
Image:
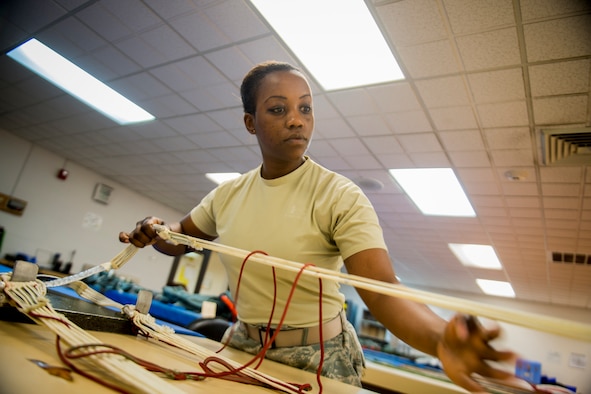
[{"x": 465, "y": 350}]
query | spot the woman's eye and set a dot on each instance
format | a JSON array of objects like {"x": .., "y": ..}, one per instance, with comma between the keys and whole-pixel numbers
[
  {"x": 276, "y": 110},
  {"x": 306, "y": 109}
]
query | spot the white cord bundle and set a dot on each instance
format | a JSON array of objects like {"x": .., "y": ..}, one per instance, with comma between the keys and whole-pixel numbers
[
  {"x": 534, "y": 321},
  {"x": 148, "y": 326},
  {"x": 30, "y": 299}
]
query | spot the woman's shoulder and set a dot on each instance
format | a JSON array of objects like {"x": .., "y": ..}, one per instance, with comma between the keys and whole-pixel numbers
[{"x": 332, "y": 178}]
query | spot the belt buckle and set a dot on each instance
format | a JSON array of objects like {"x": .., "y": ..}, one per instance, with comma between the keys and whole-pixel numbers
[{"x": 263, "y": 331}]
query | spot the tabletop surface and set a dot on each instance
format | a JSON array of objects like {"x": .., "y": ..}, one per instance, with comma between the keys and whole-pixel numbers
[{"x": 22, "y": 342}]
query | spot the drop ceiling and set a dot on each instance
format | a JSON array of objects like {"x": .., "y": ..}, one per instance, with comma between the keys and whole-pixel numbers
[{"x": 484, "y": 79}]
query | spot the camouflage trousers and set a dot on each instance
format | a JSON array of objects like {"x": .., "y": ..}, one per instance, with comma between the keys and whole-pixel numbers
[{"x": 343, "y": 356}]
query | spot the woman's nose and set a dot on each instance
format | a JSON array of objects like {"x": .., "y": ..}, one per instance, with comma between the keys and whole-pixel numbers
[{"x": 294, "y": 119}]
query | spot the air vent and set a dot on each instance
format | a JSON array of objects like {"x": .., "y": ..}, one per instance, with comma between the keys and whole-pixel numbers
[
  {"x": 569, "y": 147},
  {"x": 571, "y": 258}
]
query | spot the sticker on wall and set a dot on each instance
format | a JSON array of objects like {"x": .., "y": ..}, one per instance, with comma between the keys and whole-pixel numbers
[
  {"x": 92, "y": 221},
  {"x": 13, "y": 205},
  {"x": 102, "y": 193}
]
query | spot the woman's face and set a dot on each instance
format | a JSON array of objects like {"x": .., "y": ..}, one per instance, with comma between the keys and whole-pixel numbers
[{"x": 284, "y": 121}]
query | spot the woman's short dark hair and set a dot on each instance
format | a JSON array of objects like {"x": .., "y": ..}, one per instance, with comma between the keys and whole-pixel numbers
[{"x": 252, "y": 80}]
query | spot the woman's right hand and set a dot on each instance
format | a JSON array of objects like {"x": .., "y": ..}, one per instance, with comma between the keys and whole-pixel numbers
[{"x": 143, "y": 234}]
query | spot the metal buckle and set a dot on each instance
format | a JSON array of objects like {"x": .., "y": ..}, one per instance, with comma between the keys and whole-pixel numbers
[{"x": 262, "y": 332}]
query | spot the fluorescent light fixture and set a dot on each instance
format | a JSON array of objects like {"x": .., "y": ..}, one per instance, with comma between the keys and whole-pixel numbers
[
  {"x": 435, "y": 191},
  {"x": 496, "y": 288},
  {"x": 219, "y": 177},
  {"x": 338, "y": 41},
  {"x": 480, "y": 256},
  {"x": 58, "y": 70}
]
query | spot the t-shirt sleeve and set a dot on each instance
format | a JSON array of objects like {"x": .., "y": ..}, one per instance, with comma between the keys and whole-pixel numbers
[
  {"x": 203, "y": 215},
  {"x": 356, "y": 225}
]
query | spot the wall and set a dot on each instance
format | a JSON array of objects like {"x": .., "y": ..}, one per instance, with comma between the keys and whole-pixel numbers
[
  {"x": 61, "y": 216},
  {"x": 552, "y": 351}
]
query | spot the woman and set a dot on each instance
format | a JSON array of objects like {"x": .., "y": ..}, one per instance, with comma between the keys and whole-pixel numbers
[{"x": 292, "y": 208}]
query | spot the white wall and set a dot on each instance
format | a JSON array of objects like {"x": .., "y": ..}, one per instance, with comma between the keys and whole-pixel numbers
[{"x": 56, "y": 219}]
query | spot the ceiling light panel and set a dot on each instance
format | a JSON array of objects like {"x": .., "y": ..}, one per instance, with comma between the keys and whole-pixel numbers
[
  {"x": 479, "y": 256},
  {"x": 338, "y": 41},
  {"x": 496, "y": 288},
  {"x": 58, "y": 70},
  {"x": 435, "y": 191},
  {"x": 219, "y": 177}
]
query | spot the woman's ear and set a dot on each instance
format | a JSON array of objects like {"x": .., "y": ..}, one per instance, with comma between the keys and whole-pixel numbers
[{"x": 249, "y": 123}]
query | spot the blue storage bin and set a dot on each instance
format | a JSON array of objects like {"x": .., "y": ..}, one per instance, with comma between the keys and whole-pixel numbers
[{"x": 530, "y": 371}]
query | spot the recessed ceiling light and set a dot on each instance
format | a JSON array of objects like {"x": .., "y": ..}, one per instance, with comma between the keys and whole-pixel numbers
[
  {"x": 338, "y": 41},
  {"x": 496, "y": 288},
  {"x": 58, "y": 70},
  {"x": 480, "y": 256},
  {"x": 219, "y": 177},
  {"x": 435, "y": 191}
]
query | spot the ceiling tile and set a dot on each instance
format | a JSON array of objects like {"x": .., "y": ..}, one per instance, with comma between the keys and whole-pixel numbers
[
  {"x": 503, "y": 114},
  {"x": 104, "y": 23},
  {"x": 430, "y": 160},
  {"x": 462, "y": 140},
  {"x": 348, "y": 146},
  {"x": 561, "y": 174},
  {"x": 133, "y": 13},
  {"x": 109, "y": 63},
  {"x": 332, "y": 128},
  {"x": 558, "y": 38},
  {"x": 477, "y": 15},
  {"x": 170, "y": 9},
  {"x": 560, "y": 78},
  {"x": 498, "y": 48},
  {"x": 496, "y": 86},
  {"x": 236, "y": 20},
  {"x": 537, "y": 9},
  {"x": 353, "y": 102},
  {"x": 168, "y": 43},
  {"x": 408, "y": 122},
  {"x": 367, "y": 125},
  {"x": 200, "y": 31},
  {"x": 426, "y": 142},
  {"x": 383, "y": 144},
  {"x": 560, "y": 189},
  {"x": 470, "y": 159},
  {"x": 264, "y": 49},
  {"x": 216, "y": 139},
  {"x": 394, "y": 97},
  {"x": 412, "y": 22},
  {"x": 430, "y": 59},
  {"x": 561, "y": 110},
  {"x": 508, "y": 138},
  {"x": 453, "y": 118},
  {"x": 443, "y": 92},
  {"x": 362, "y": 162},
  {"x": 230, "y": 61},
  {"x": 141, "y": 52},
  {"x": 30, "y": 19}
]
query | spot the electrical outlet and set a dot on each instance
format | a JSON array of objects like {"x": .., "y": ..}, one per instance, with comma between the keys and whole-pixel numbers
[{"x": 554, "y": 357}]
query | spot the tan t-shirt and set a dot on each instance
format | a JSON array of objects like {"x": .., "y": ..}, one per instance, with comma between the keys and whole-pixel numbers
[{"x": 311, "y": 215}]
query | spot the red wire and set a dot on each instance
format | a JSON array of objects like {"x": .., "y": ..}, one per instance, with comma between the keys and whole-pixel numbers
[
  {"x": 233, "y": 328},
  {"x": 84, "y": 373},
  {"x": 321, "y": 336},
  {"x": 233, "y": 374},
  {"x": 268, "y": 342}
]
